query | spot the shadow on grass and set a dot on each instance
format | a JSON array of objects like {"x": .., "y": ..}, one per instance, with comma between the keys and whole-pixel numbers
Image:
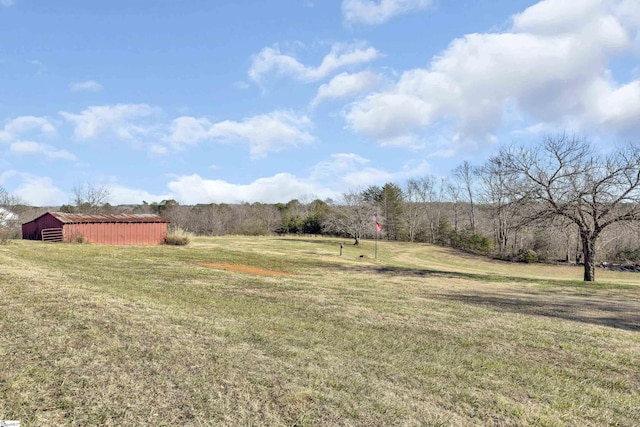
[
  {"x": 491, "y": 277},
  {"x": 324, "y": 241},
  {"x": 610, "y": 312},
  {"x": 584, "y": 303}
]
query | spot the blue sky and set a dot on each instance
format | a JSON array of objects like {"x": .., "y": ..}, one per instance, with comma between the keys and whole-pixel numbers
[{"x": 270, "y": 100}]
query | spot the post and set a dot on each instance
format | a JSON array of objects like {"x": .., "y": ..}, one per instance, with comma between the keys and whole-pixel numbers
[{"x": 375, "y": 251}]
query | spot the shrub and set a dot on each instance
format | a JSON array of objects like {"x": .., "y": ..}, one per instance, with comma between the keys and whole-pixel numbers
[
  {"x": 178, "y": 237},
  {"x": 472, "y": 242},
  {"x": 5, "y": 235},
  {"x": 628, "y": 255},
  {"x": 529, "y": 257}
]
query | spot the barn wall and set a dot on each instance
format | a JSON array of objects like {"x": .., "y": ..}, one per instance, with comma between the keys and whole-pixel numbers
[
  {"x": 117, "y": 233},
  {"x": 33, "y": 230}
]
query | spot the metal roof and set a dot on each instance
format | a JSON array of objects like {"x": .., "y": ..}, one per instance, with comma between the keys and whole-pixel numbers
[{"x": 70, "y": 218}]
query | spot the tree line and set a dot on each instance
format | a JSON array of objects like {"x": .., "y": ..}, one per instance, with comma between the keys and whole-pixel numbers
[{"x": 561, "y": 200}]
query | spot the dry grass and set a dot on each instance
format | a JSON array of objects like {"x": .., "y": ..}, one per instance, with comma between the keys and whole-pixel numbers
[
  {"x": 178, "y": 237},
  {"x": 241, "y": 268},
  {"x": 266, "y": 331}
]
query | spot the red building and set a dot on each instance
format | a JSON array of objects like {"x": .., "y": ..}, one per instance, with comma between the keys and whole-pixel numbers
[{"x": 121, "y": 229}]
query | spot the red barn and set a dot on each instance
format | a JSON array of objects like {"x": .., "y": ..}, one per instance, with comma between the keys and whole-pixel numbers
[{"x": 121, "y": 229}]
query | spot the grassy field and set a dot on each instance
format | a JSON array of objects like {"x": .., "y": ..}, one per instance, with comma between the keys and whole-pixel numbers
[{"x": 285, "y": 332}]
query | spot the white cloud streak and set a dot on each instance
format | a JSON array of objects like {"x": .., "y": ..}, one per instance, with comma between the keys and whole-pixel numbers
[
  {"x": 346, "y": 85},
  {"x": 34, "y": 148},
  {"x": 122, "y": 120},
  {"x": 375, "y": 12},
  {"x": 86, "y": 86},
  {"x": 264, "y": 133},
  {"x": 281, "y": 187},
  {"x": 24, "y": 125},
  {"x": 272, "y": 60}
]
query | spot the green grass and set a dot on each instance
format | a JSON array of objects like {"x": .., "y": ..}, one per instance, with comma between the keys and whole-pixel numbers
[{"x": 106, "y": 335}]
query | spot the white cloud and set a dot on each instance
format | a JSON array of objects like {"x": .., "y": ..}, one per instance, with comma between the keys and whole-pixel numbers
[
  {"x": 158, "y": 150},
  {"x": 263, "y": 133},
  {"x": 190, "y": 130},
  {"x": 87, "y": 86},
  {"x": 34, "y": 148},
  {"x": 6, "y": 3},
  {"x": 328, "y": 179},
  {"x": 615, "y": 107},
  {"x": 629, "y": 13},
  {"x": 373, "y": 12},
  {"x": 40, "y": 191},
  {"x": 121, "y": 120},
  {"x": 281, "y": 187},
  {"x": 268, "y": 132},
  {"x": 346, "y": 85},
  {"x": 119, "y": 195},
  {"x": 552, "y": 73},
  {"x": 340, "y": 164},
  {"x": 349, "y": 170},
  {"x": 374, "y": 176},
  {"x": 26, "y": 124},
  {"x": 271, "y": 60},
  {"x": 387, "y": 116}
]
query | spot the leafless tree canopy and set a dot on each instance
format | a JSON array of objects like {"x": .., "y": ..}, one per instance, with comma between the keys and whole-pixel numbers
[
  {"x": 89, "y": 198},
  {"x": 352, "y": 216},
  {"x": 565, "y": 177}
]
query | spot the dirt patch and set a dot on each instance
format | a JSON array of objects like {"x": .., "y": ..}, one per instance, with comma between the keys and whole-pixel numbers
[{"x": 240, "y": 268}]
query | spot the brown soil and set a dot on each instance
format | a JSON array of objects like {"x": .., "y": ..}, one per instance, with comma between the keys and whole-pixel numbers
[{"x": 239, "y": 268}]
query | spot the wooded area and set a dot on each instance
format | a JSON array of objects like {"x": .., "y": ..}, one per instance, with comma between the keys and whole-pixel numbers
[{"x": 561, "y": 201}]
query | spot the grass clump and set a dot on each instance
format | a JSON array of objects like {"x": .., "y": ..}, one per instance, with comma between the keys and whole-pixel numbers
[{"x": 178, "y": 237}]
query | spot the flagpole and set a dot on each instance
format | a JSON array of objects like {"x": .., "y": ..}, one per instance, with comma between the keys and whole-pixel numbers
[
  {"x": 376, "y": 224},
  {"x": 376, "y": 245}
]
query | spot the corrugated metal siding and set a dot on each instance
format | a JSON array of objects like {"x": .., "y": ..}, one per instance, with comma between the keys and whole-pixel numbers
[
  {"x": 117, "y": 233},
  {"x": 33, "y": 230},
  {"x": 128, "y": 231},
  {"x": 69, "y": 218}
]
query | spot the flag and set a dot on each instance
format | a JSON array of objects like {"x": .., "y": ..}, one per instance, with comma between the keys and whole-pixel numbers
[{"x": 375, "y": 219}]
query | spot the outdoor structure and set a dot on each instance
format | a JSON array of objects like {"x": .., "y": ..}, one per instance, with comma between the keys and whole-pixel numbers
[{"x": 121, "y": 229}]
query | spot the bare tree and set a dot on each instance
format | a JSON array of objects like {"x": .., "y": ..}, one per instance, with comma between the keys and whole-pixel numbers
[
  {"x": 464, "y": 174},
  {"x": 453, "y": 191},
  {"x": 412, "y": 217},
  {"x": 495, "y": 195},
  {"x": 351, "y": 216},
  {"x": 421, "y": 207},
  {"x": 89, "y": 198},
  {"x": 566, "y": 177}
]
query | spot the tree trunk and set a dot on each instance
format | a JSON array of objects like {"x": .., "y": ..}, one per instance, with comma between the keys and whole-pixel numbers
[{"x": 589, "y": 253}]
